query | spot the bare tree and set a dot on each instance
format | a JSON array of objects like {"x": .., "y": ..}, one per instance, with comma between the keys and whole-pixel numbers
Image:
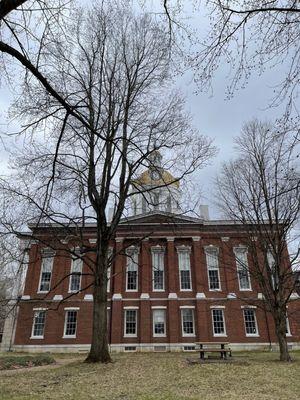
[
  {"x": 260, "y": 189},
  {"x": 115, "y": 67}
]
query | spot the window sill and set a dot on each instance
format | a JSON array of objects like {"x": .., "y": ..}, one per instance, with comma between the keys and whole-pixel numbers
[
  {"x": 131, "y": 290},
  {"x": 246, "y": 290},
  {"x": 288, "y": 335},
  {"x": 69, "y": 337},
  {"x": 186, "y": 290},
  {"x": 215, "y": 290},
  {"x": 252, "y": 335},
  {"x": 189, "y": 335},
  {"x": 158, "y": 290},
  {"x": 219, "y": 335},
  {"x": 160, "y": 336},
  {"x": 130, "y": 336},
  {"x": 36, "y": 337},
  {"x": 43, "y": 291}
]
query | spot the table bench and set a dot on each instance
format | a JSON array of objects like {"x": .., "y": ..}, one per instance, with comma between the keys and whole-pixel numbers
[{"x": 214, "y": 347}]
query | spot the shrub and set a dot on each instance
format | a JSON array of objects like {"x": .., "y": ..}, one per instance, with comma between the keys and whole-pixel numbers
[{"x": 16, "y": 361}]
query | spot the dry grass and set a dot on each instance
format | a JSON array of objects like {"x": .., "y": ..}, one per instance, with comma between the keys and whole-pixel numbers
[{"x": 159, "y": 377}]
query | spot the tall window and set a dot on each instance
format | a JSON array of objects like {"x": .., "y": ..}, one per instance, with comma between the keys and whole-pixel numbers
[
  {"x": 250, "y": 322},
  {"x": 218, "y": 322},
  {"x": 130, "y": 328},
  {"x": 46, "y": 272},
  {"x": 132, "y": 269},
  {"x": 75, "y": 277},
  {"x": 187, "y": 322},
  {"x": 70, "y": 323},
  {"x": 159, "y": 323},
  {"x": 272, "y": 268},
  {"x": 184, "y": 269},
  {"x": 212, "y": 261},
  {"x": 38, "y": 324},
  {"x": 158, "y": 270},
  {"x": 288, "y": 328},
  {"x": 110, "y": 260},
  {"x": 242, "y": 268}
]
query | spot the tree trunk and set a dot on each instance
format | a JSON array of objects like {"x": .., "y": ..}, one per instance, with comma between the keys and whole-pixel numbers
[
  {"x": 280, "y": 328},
  {"x": 99, "y": 351}
]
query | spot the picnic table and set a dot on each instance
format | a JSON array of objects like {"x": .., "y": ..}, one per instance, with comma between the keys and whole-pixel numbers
[{"x": 214, "y": 347}]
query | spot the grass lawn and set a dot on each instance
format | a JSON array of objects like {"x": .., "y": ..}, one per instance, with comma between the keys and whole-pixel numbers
[{"x": 159, "y": 376}]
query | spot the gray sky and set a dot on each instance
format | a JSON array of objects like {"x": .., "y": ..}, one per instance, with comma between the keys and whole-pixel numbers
[{"x": 213, "y": 115}]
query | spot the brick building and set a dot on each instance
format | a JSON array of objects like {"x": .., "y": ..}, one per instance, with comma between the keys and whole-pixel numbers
[{"x": 174, "y": 280}]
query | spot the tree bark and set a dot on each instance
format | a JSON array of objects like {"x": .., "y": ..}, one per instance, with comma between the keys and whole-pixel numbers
[
  {"x": 280, "y": 328},
  {"x": 99, "y": 351}
]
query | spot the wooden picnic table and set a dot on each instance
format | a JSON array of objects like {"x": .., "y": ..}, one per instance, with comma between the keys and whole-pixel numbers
[{"x": 214, "y": 347}]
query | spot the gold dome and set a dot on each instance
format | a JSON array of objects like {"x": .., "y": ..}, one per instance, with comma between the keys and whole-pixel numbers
[{"x": 145, "y": 179}]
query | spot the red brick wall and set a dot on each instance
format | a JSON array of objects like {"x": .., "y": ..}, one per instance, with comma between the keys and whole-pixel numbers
[{"x": 203, "y": 321}]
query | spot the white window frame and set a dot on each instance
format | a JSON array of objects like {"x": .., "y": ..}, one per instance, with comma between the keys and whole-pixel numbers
[
  {"x": 158, "y": 250},
  {"x": 110, "y": 253},
  {"x": 65, "y": 336},
  {"x": 271, "y": 264},
  {"x": 239, "y": 267},
  {"x": 253, "y": 308},
  {"x": 36, "y": 310},
  {"x": 181, "y": 317},
  {"x": 136, "y": 321},
  {"x": 77, "y": 259},
  {"x": 180, "y": 251},
  {"x": 154, "y": 310},
  {"x": 208, "y": 250},
  {"x": 132, "y": 255},
  {"x": 288, "y": 326},
  {"x": 220, "y": 308},
  {"x": 46, "y": 253}
]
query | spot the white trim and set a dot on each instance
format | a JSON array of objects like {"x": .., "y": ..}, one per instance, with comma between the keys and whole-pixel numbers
[
  {"x": 67, "y": 309},
  {"x": 144, "y": 296},
  {"x": 131, "y": 308},
  {"x": 159, "y": 307},
  {"x": 187, "y": 307},
  {"x": 224, "y": 322},
  {"x": 117, "y": 296},
  {"x": 183, "y": 334},
  {"x": 88, "y": 297},
  {"x": 58, "y": 297},
  {"x": 165, "y": 323},
  {"x": 71, "y": 274},
  {"x": 216, "y": 306},
  {"x": 25, "y": 297},
  {"x": 36, "y": 310},
  {"x": 160, "y": 250},
  {"x": 255, "y": 319},
  {"x": 172, "y": 296},
  {"x": 40, "y": 309},
  {"x": 248, "y": 306},
  {"x": 41, "y": 270},
  {"x": 125, "y": 335},
  {"x": 238, "y": 267}
]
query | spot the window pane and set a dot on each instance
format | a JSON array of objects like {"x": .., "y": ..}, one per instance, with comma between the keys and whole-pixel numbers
[
  {"x": 185, "y": 279},
  {"x": 158, "y": 270},
  {"x": 159, "y": 322},
  {"x": 130, "y": 322},
  {"x": 187, "y": 321},
  {"x": 76, "y": 271},
  {"x": 71, "y": 321},
  {"x": 218, "y": 322},
  {"x": 213, "y": 268},
  {"x": 132, "y": 269},
  {"x": 39, "y": 323},
  {"x": 184, "y": 269},
  {"x": 46, "y": 271},
  {"x": 242, "y": 268},
  {"x": 250, "y": 322},
  {"x": 214, "y": 282}
]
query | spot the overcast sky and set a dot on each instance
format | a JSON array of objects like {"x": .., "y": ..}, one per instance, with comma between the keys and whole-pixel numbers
[{"x": 213, "y": 115}]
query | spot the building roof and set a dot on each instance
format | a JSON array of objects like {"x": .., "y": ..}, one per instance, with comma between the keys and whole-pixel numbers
[{"x": 166, "y": 179}]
